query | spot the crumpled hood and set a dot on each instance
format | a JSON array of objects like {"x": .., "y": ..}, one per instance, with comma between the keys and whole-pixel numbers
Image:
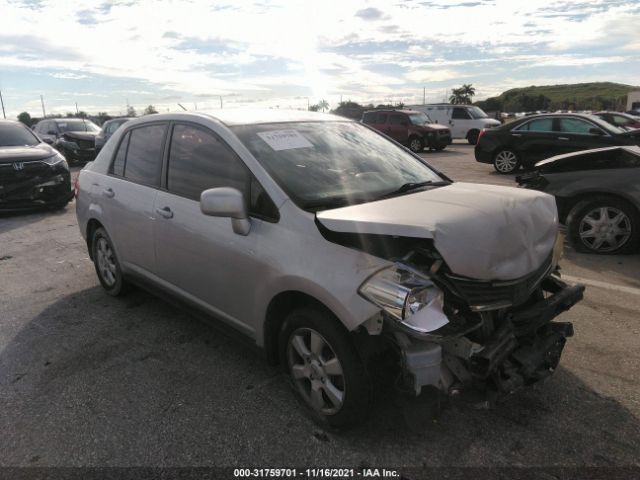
[
  {"x": 484, "y": 232},
  {"x": 436, "y": 126},
  {"x": 26, "y": 153}
]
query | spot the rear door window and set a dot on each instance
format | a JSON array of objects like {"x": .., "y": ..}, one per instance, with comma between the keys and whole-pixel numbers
[
  {"x": 144, "y": 155},
  {"x": 539, "y": 125},
  {"x": 396, "y": 119},
  {"x": 382, "y": 118}
]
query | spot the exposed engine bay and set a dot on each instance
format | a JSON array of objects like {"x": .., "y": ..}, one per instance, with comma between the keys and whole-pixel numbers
[{"x": 459, "y": 334}]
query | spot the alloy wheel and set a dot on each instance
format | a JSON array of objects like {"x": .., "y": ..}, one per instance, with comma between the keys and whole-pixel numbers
[
  {"x": 506, "y": 161},
  {"x": 416, "y": 145},
  {"x": 106, "y": 262},
  {"x": 316, "y": 370},
  {"x": 605, "y": 229}
]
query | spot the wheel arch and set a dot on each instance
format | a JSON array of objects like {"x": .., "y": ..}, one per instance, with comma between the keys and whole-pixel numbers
[
  {"x": 277, "y": 310},
  {"x": 92, "y": 225},
  {"x": 566, "y": 203}
]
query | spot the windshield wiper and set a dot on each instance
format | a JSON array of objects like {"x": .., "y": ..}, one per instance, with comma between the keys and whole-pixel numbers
[{"x": 408, "y": 187}]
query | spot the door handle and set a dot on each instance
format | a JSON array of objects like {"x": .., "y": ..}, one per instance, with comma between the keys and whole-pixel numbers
[
  {"x": 516, "y": 134},
  {"x": 109, "y": 193},
  {"x": 164, "y": 212},
  {"x": 563, "y": 138}
]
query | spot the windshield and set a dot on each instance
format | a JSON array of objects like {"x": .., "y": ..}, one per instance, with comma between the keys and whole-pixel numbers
[
  {"x": 77, "y": 126},
  {"x": 16, "y": 135},
  {"x": 476, "y": 112},
  {"x": 332, "y": 164},
  {"x": 419, "y": 118}
]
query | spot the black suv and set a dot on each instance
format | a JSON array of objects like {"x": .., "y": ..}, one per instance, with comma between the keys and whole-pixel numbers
[
  {"x": 411, "y": 128},
  {"x": 73, "y": 137}
]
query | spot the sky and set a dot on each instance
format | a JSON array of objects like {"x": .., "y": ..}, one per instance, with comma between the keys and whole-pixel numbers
[{"x": 104, "y": 55}]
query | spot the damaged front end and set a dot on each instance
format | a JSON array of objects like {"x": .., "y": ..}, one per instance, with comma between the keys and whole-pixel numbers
[{"x": 458, "y": 334}]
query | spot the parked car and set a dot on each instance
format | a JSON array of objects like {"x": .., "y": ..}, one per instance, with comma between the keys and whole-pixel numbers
[
  {"x": 622, "y": 120},
  {"x": 526, "y": 141},
  {"x": 410, "y": 128},
  {"x": 329, "y": 245},
  {"x": 32, "y": 174},
  {"x": 598, "y": 196},
  {"x": 465, "y": 121},
  {"x": 108, "y": 128},
  {"x": 73, "y": 137}
]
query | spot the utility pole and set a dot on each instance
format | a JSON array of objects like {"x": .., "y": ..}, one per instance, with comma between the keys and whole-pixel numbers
[
  {"x": 44, "y": 114},
  {"x": 424, "y": 95},
  {"x": 2, "y": 102}
]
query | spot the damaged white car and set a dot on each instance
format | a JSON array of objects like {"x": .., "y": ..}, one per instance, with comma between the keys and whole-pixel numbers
[{"x": 329, "y": 245}]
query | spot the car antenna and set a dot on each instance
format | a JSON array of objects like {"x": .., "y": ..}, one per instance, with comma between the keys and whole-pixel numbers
[{"x": 182, "y": 107}]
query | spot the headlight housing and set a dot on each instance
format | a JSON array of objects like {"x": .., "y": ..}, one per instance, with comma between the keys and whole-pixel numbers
[
  {"x": 55, "y": 159},
  {"x": 408, "y": 296}
]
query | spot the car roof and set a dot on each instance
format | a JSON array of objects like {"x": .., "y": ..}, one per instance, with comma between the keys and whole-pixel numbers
[
  {"x": 247, "y": 116},
  {"x": 408, "y": 111},
  {"x": 634, "y": 149}
]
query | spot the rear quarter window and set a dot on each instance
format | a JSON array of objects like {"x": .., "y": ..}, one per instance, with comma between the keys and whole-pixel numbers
[{"x": 144, "y": 154}]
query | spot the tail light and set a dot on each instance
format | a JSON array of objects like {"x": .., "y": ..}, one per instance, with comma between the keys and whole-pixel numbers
[
  {"x": 482, "y": 132},
  {"x": 76, "y": 186}
]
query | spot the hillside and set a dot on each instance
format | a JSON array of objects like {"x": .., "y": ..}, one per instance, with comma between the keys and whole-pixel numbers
[{"x": 577, "y": 96}]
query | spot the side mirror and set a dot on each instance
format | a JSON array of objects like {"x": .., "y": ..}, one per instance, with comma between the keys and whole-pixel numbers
[
  {"x": 226, "y": 202},
  {"x": 596, "y": 131}
]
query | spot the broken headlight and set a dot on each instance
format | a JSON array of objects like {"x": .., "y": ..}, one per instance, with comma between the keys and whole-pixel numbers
[
  {"x": 407, "y": 296},
  {"x": 54, "y": 159}
]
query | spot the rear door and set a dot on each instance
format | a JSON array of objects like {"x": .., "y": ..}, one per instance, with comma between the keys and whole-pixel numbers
[
  {"x": 198, "y": 255},
  {"x": 398, "y": 127},
  {"x": 128, "y": 194},
  {"x": 536, "y": 140}
]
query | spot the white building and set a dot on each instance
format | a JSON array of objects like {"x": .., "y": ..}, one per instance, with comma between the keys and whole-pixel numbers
[{"x": 633, "y": 100}]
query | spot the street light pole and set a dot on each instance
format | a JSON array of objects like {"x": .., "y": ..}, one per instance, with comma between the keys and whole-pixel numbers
[{"x": 2, "y": 102}]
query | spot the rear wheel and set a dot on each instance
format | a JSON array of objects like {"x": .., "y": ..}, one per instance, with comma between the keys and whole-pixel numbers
[
  {"x": 506, "y": 161},
  {"x": 107, "y": 264},
  {"x": 416, "y": 144},
  {"x": 604, "y": 225},
  {"x": 325, "y": 368}
]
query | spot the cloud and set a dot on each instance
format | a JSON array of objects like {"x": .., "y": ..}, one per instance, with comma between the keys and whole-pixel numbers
[
  {"x": 69, "y": 75},
  {"x": 370, "y": 14}
]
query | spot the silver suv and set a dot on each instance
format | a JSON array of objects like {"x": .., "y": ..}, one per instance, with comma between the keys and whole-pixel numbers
[{"x": 330, "y": 246}]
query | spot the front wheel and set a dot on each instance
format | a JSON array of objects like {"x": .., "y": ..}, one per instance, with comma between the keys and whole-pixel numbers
[
  {"x": 416, "y": 145},
  {"x": 326, "y": 371},
  {"x": 604, "y": 225},
  {"x": 506, "y": 161},
  {"x": 472, "y": 137}
]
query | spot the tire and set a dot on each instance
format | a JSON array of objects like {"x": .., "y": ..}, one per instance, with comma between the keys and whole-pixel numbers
[
  {"x": 416, "y": 145},
  {"x": 506, "y": 161},
  {"x": 325, "y": 369},
  {"x": 472, "y": 136},
  {"x": 107, "y": 264},
  {"x": 439, "y": 148},
  {"x": 604, "y": 225}
]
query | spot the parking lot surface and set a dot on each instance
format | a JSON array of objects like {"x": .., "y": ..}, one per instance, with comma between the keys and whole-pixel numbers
[{"x": 90, "y": 380}]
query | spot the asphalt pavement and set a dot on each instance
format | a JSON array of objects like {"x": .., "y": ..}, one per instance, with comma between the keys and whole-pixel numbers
[{"x": 90, "y": 380}]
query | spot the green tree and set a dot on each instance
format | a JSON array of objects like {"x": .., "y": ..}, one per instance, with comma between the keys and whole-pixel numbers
[
  {"x": 149, "y": 110},
  {"x": 25, "y": 118},
  {"x": 314, "y": 108},
  {"x": 323, "y": 105},
  {"x": 131, "y": 112},
  {"x": 462, "y": 95}
]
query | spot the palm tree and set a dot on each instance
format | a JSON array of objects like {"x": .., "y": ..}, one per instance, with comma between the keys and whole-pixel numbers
[
  {"x": 462, "y": 95},
  {"x": 323, "y": 104}
]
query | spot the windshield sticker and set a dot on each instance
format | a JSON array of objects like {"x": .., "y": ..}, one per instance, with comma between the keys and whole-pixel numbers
[{"x": 285, "y": 139}]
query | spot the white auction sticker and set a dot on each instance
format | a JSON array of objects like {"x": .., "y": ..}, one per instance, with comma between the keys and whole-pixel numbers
[{"x": 285, "y": 139}]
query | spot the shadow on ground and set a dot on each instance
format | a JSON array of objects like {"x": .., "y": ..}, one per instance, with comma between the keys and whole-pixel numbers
[{"x": 95, "y": 380}]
